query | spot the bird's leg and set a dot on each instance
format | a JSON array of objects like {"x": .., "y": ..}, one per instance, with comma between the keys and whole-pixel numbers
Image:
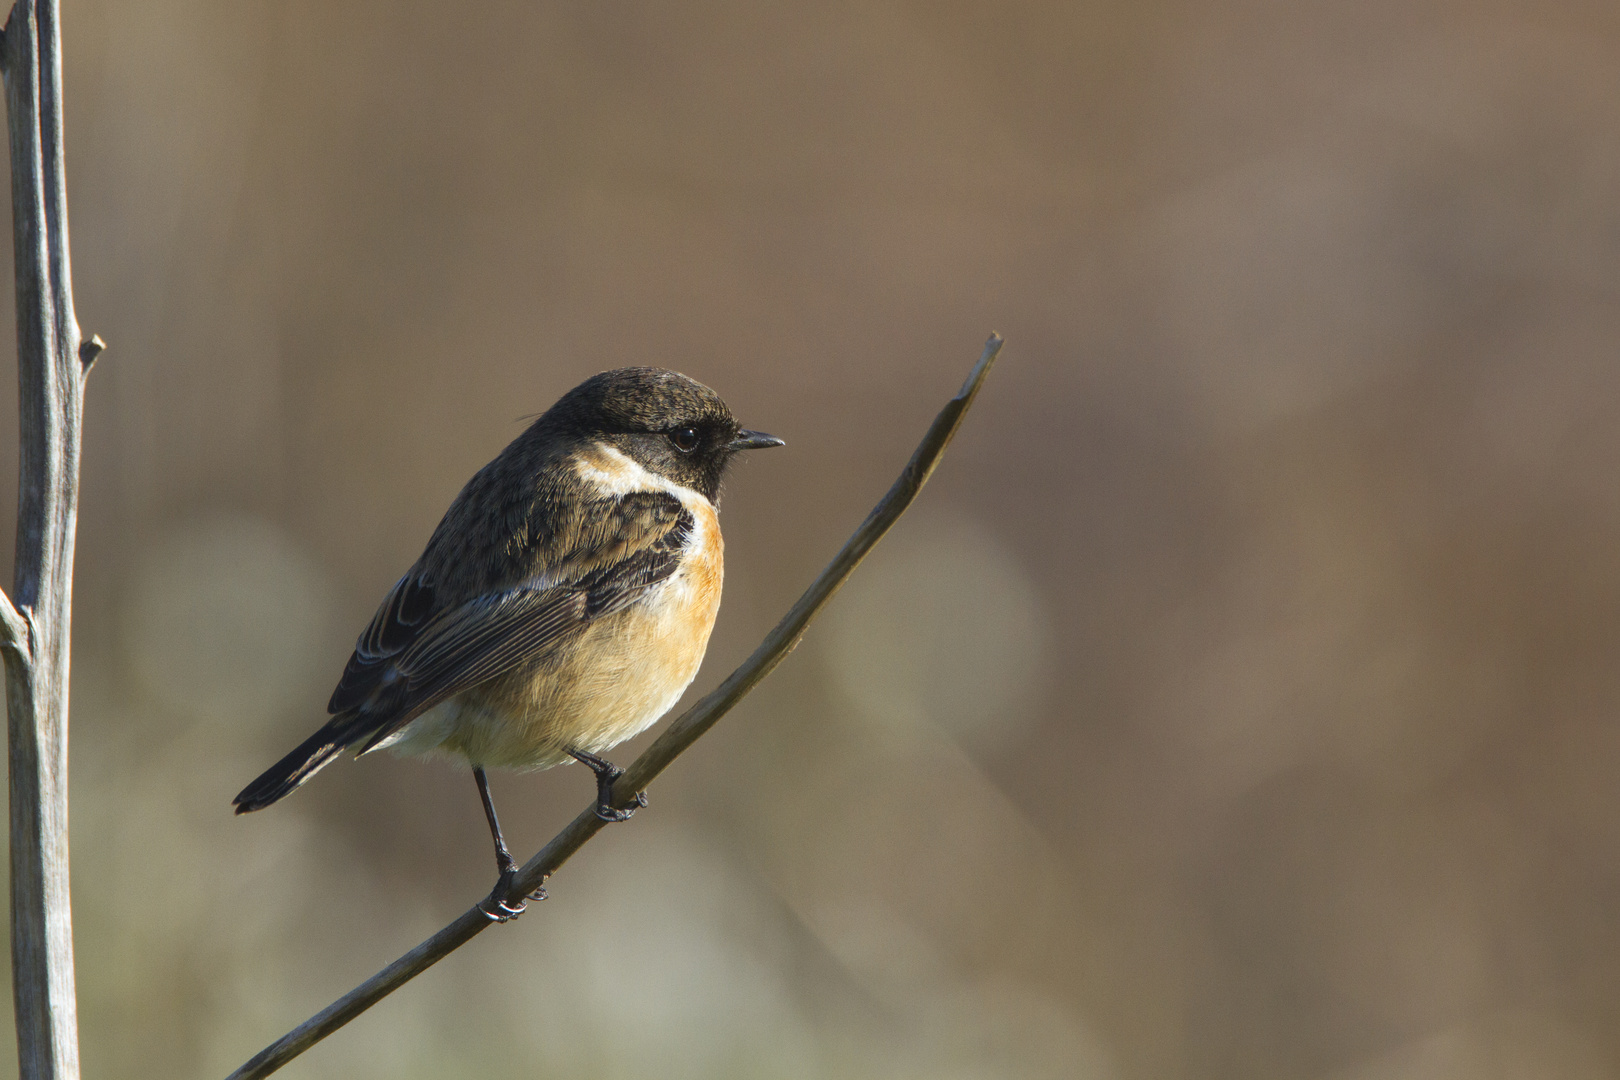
[
  {"x": 606, "y": 772},
  {"x": 496, "y": 906}
]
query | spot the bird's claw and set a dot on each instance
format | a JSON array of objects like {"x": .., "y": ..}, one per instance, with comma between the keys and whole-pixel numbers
[
  {"x": 497, "y": 910},
  {"x": 608, "y": 813},
  {"x": 495, "y": 906}
]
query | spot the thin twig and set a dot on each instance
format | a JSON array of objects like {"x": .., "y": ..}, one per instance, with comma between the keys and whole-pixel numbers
[
  {"x": 681, "y": 734},
  {"x": 14, "y": 632}
]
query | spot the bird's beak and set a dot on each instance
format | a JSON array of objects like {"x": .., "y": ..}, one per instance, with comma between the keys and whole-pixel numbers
[{"x": 753, "y": 440}]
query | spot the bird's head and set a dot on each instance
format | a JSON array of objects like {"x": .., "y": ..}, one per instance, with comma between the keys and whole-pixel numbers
[{"x": 670, "y": 425}]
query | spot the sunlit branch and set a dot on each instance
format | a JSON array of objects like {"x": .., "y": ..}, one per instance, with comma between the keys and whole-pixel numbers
[{"x": 35, "y": 619}]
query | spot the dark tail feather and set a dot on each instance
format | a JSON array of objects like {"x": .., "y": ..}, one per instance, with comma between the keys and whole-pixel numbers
[{"x": 312, "y": 755}]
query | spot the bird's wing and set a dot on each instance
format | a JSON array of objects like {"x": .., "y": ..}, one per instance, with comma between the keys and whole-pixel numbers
[{"x": 418, "y": 652}]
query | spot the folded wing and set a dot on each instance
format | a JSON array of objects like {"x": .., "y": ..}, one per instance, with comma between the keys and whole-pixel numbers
[{"x": 420, "y": 650}]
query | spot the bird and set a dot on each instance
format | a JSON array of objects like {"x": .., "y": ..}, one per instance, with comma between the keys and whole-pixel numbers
[{"x": 562, "y": 605}]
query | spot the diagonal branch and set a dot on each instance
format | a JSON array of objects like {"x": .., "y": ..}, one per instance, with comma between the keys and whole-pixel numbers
[{"x": 681, "y": 734}]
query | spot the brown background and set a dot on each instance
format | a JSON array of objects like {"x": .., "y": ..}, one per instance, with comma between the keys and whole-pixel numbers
[{"x": 1240, "y": 701}]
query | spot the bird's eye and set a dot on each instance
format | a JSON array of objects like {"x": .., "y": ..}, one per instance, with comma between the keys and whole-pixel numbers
[{"x": 685, "y": 439}]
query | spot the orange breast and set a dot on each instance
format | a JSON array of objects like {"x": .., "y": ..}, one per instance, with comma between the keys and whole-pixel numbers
[
  {"x": 706, "y": 563},
  {"x": 625, "y": 672}
]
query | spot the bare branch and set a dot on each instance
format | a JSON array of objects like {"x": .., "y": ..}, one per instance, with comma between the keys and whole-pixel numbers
[
  {"x": 50, "y": 383},
  {"x": 684, "y": 731}
]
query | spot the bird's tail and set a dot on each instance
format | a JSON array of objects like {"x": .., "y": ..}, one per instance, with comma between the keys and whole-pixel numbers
[{"x": 312, "y": 755}]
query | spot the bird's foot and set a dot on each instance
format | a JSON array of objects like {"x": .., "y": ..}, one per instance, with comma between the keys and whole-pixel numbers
[
  {"x": 606, "y": 773},
  {"x": 497, "y": 906},
  {"x": 608, "y": 813}
]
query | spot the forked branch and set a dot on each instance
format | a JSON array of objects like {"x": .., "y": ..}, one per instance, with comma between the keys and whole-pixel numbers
[
  {"x": 13, "y": 629},
  {"x": 682, "y": 733}
]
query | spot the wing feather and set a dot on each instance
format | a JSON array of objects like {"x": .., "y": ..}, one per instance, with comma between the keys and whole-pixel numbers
[{"x": 418, "y": 651}]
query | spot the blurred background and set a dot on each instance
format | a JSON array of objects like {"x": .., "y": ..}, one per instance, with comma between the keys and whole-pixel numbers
[{"x": 1239, "y": 700}]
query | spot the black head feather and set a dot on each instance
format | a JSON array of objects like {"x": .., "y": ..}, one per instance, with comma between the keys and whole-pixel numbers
[{"x": 669, "y": 424}]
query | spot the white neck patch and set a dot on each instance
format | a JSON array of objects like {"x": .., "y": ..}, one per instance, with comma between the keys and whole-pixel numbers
[{"x": 613, "y": 472}]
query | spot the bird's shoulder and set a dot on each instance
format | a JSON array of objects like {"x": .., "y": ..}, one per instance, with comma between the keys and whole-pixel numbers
[{"x": 554, "y": 513}]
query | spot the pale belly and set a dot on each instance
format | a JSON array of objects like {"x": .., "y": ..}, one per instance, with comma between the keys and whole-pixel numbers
[{"x": 620, "y": 676}]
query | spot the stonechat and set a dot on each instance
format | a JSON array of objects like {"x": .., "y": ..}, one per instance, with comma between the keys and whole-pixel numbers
[{"x": 563, "y": 604}]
